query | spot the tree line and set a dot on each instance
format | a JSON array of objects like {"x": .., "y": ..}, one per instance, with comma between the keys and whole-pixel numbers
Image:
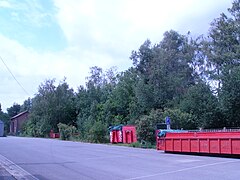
[{"x": 194, "y": 81}]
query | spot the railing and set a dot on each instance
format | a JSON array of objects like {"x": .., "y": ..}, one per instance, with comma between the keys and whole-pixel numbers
[{"x": 217, "y": 130}]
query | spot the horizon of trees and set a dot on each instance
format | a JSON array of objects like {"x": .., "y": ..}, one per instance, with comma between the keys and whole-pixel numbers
[{"x": 195, "y": 82}]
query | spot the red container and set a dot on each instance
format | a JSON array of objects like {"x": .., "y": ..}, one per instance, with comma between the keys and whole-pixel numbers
[
  {"x": 123, "y": 134},
  {"x": 129, "y": 134},
  {"x": 54, "y": 135},
  {"x": 116, "y": 136},
  {"x": 201, "y": 142}
]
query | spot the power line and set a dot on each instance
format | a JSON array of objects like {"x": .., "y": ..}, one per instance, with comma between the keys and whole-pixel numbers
[{"x": 14, "y": 76}]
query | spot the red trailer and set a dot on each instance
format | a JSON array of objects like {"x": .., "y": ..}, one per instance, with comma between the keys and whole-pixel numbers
[
  {"x": 219, "y": 142},
  {"x": 123, "y": 134}
]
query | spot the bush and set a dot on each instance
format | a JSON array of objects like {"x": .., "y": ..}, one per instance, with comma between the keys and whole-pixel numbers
[
  {"x": 66, "y": 132},
  {"x": 98, "y": 132},
  {"x": 135, "y": 145},
  {"x": 145, "y": 129}
]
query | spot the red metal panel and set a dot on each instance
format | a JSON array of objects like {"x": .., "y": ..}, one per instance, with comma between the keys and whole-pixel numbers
[
  {"x": 225, "y": 146},
  {"x": 236, "y": 146},
  {"x": 116, "y": 136},
  {"x": 177, "y": 145},
  {"x": 185, "y": 145},
  {"x": 168, "y": 144},
  {"x": 129, "y": 134},
  {"x": 214, "y": 146},
  {"x": 194, "y": 145},
  {"x": 204, "y": 145}
]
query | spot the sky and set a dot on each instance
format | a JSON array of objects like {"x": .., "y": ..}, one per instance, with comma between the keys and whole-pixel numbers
[{"x": 53, "y": 39}]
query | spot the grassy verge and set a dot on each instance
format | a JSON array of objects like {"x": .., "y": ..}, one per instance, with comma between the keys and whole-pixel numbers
[{"x": 137, "y": 145}]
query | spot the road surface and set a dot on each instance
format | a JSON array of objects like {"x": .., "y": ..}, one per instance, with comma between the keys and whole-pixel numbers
[{"x": 51, "y": 159}]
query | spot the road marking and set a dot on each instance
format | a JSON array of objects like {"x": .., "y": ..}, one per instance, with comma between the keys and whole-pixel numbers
[
  {"x": 16, "y": 171},
  {"x": 181, "y": 170},
  {"x": 188, "y": 160}
]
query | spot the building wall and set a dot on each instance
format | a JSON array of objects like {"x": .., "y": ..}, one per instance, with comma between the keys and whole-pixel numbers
[
  {"x": 21, "y": 120},
  {"x": 16, "y": 123}
]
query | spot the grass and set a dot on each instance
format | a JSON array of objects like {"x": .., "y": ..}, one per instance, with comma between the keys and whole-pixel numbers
[{"x": 137, "y": 144}]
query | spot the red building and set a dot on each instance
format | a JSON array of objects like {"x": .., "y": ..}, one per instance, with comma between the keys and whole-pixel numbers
[{"x": 17, "y": 122}]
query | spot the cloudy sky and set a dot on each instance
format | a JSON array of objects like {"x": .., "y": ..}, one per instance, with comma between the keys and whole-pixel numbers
[{"x": 46, "y": 39}]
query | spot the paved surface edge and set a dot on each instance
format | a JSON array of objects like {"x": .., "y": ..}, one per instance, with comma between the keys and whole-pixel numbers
[{"x": 16, "y": 171}]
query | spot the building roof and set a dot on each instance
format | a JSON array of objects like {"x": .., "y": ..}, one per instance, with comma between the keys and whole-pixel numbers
[{"x": 20, "y": 114}]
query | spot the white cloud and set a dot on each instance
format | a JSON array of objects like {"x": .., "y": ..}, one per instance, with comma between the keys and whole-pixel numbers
[
  {"x": 99, "y": 33},
  {"x": 122, "y": 25},
  {"x": 31, "y": 68},
  {"x": 5, "y": 4}
]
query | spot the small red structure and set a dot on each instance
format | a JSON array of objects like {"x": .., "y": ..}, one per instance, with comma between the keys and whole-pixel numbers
[
  {"x": 123, "y": 134},
  {"x": 129, "y": 134},
  {"x": 221, "y": 142},
  {"x": 54, "y": 135},
  {"x": 116, "y": 136}
]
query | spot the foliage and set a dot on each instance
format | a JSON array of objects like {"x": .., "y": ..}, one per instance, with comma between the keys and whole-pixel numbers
[
  {"x": 145, "y": 129},
  {"x": 230, "y": 97},
  {"x": 5, "y": 118},
  {"x": 66, "y": 132},
  {"x": 14, "y": 110},
  {"x": 163, "y": 70},
  {"x": 98, "y": 133},
  {"x": 50, "y": 106},
  {"x": 203, "y": 105},
  {"x": 222, "y": 45},
  {"x": 180, "y": 119}
]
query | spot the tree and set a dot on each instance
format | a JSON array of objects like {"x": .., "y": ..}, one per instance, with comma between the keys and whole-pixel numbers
[
  {"x": 230, "y": 97},
  {"x": 201, "y": 103},
  {"x": 98, "y": 132},
  {"x": 27, "y": 104},
  {"x": 163, "y": 70},
  {"x": 51, "y": 105},
  {"x": 121, "y": 102},
  {"x": 6, "y": 119},
  {"x": 145, "y": 129},
  {"x": 222, "y": 45},
  {"x": 14, "y": 110}
]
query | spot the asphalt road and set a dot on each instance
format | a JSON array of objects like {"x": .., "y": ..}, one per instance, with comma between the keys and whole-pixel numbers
[{"x": 36, "y": 158}]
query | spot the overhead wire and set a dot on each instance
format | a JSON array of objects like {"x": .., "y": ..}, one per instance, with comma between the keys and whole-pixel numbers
[{"x": 14, "y": 76}]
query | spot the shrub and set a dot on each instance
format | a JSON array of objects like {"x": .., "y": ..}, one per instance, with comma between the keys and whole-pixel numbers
[
  {"x": 98, "y": 132},
  {"x": 66, "y": 132}
]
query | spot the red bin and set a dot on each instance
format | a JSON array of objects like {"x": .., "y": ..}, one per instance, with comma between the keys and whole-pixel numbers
[{"x": 123, "y": 134}]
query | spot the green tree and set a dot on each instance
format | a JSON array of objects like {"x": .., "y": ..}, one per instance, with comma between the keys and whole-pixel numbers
[
  {"x": 50, "y": 106},
  {"x": 230, "y": 97},
  {"x": 121, "y": 102},
  {"x": 163, "y": 70},
  {"x": 26, "y": 106},
  {"x": 98, "y": 132},
  {"x": 201, "y": 103},
  {"x": 222, "y": 45},
  {"x": 14, "y": 110},
  {"x": 145, "y": 129},
  {"x": 6, "y": 120},
  {"x": 180, "y": 119}
]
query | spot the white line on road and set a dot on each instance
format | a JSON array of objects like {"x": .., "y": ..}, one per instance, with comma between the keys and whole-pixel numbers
[
  {"x": 181, "y": 170},
  {"x": 16, "y": 171}
]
